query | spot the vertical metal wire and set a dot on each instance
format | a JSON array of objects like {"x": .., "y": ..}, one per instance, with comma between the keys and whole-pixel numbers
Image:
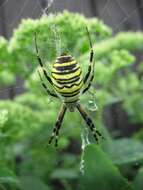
[
  {"x": 93, "y": 8},
  {"x": 139, "y": 4},
  {"x": 2, "y": 23}
]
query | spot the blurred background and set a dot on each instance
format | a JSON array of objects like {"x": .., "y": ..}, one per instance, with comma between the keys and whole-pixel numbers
[
  {"x": 27, "y": 114},
  {"x": 120, "y": 15}
]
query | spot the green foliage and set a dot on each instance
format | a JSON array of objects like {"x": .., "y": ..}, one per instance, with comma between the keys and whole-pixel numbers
[
  {"x": 27, "y": 121},
  {"x": 6, "y": 76},
  {"x": 130, "y": 41},
  {"x": 3, "y": 117},
  {"x": 20, "y": 120},
  {"x": 7, "y": 176},
  {"x": 4, "y": 52},
  {"x": 126, "y": 151},
  {"x": 31, "y": 182},
  {"x": 22, "y": 44},
  {"x": 138, "y": 183},
  {"x": 100, "y": 172}
]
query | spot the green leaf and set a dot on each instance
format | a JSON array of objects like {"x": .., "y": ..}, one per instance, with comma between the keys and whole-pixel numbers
[
  {"x": 64, "y": 174},
  {"x": 138, "y": 183},
  {"x": 32, "y": 183},
  {"x": 7, "y": 176},
  {"x": 126, "y": 151},
  {"x": 3, "y": 117},
  {"x": 100, "y": 173}
]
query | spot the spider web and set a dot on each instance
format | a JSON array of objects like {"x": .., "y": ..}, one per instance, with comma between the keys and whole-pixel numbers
[{"x": 125, "y": 18}]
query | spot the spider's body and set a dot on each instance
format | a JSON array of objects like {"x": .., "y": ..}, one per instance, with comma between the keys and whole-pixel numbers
[
  {"x": 69, "y": 84},
  {"x": 67, "y": 80}
]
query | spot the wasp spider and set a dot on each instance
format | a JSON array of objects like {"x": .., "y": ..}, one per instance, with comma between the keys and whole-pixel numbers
[{"x": 68, "y": 84}]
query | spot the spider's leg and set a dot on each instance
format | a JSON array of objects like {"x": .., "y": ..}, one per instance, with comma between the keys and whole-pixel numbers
[
  {"x": 58, "y": 125},
  {"x": 89, "y": 122},
  {"x": 45, "y": 87},
  {"x": 40, "y": 62},
  {"x": 90, "y": 74}
]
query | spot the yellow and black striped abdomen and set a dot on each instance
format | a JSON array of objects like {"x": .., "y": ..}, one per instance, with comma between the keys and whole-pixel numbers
[{"x": 67, "y": 78}]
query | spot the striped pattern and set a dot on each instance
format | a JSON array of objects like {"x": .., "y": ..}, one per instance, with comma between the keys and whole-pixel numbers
[{"x": 67, "y": 78}]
